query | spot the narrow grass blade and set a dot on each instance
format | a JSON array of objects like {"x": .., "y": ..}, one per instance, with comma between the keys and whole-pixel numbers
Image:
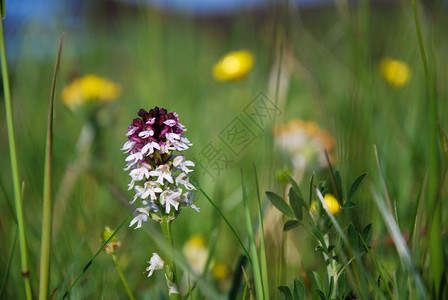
[
  {"x": 70, "y": 269},
  {"x": 3, "y": 8},
  {"x": 377, "y": 267},
  {"x": 414, "y": 232},
  {"x": 13, "y": 161},
  {"x": 246, "y": 286},
  {"x": 443, "y": 140},
  {"x": 436, "y": 253},
  {"x": 333, "y": 178},
  {"x": 400, "y": 245},
  {"x": 253, "y": 247},
  {"x": 8, "y": 264},
  {"x": 225, "y": 220},
  {"x": 383, "y": 183},
  {"x": 48, "y": 195},
  {"x": 238, "y": 274},
  {"x": 263, "y": 260}
]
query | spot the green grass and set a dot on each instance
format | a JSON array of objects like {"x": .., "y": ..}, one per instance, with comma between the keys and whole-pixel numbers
[{"x": 332, "y": 54}]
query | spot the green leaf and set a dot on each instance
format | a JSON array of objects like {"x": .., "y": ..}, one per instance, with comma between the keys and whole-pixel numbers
[
  {"x": 320, "y": 284},
  {"x": 330, "y": 289},
  {"x": 319, "y": 237},
  {"x": 338, "y": 181},
  {"x": 290, "y": 224},
  {"x": 286, "y": 292},
  {"x": 296, "y": 203},
  {"x": 341, "y": 286},
  {"x": 320, "y": 249},
  {"x": 281, "y": 205},
  {"x": 299, "y": 290},
  {"x": 294, "y": 185},
  {"x": 355, "y": 186},
  {"x": 310, "y": 198},
  {"x": 353, "y": 236},
  {"x": 367, "y": 232},
  {"x": 321, "y": 294},
  {"x": 348, "y": 205}
]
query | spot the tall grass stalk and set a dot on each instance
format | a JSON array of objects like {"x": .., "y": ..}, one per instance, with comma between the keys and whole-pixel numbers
[
  {"x": 225, "y": 220},
  {"x": 400, "y": 245},
  {"x": 258, "y": 281},
  {"x": 48, "y": 195},
  {"x": 13, "y": 160},
  {"x": 436, "y": 261},
  {"x": 8, "y": 266},
  {"x": 263, "y": 260}
]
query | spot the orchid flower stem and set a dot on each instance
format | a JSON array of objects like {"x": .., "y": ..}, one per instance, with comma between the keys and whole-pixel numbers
[
  {"x": 13, "y": 159},
  {"x": 170, "y": 268},
  {"x": 123, "y": 279}
]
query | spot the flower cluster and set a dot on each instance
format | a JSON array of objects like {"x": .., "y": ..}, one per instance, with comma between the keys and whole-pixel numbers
[
  {"x": 159, "y": 178},
  {"x": 90, "y": 88}
]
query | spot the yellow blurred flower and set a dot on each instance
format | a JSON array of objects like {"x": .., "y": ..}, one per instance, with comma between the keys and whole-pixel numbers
[
  {"x": 220, "y": 271},
  {"x": 196, "y": 253},
  {"x": 90, "y": 88},
  {"x": 332, "y": 203},
  {"x": 396, "y": 73},
  {"x": 305, "y": 142},
  {"x": 234, "y": 65}
]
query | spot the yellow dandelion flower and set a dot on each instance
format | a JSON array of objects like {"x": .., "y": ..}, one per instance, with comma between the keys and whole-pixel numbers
[
  {"x": 332, "y": 203},
  {"x": 196, "y": 252},
  {"x": 396, "y": 73},
  {"x": 234, "y": 65},
  {"x": 90, "y": 88},
  {"x": 220, "y": 271}
]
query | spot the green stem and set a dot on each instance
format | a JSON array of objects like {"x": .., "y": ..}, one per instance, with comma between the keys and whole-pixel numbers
[
  {"x": 436, "y": 263},
  {"x": 170, "y": 268},
  {"x": 13, "y": 159},
  {"x": 123, "y": 279}
]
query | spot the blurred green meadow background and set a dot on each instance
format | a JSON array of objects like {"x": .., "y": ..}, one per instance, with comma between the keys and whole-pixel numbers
[{"x": 324, "y": 64}]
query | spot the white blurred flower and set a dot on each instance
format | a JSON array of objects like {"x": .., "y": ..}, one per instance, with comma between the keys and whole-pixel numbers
[
  {"x": 142, "y": 215},
  {"x": 185, "y": 181},
  {"x": 155, "y": 263}
]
